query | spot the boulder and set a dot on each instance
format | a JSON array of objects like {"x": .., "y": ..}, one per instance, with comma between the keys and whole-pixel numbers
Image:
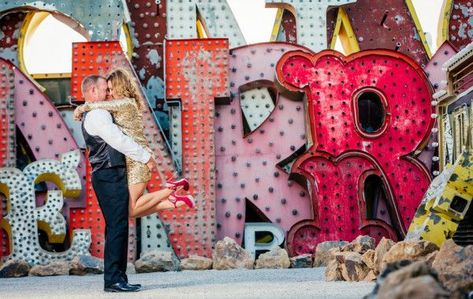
[
  {"x": 430, "y": 258},
  {"x": 421, "y": 287},
  {"x": 86, "y": 264},
  {"x": 301, "y": 261},
  {"x": 229, "y": 255},
  {"x": 333, "y": 271},
  {"x": 406, "y": 279},
  {"x": 51, "y": 269},
  {"x": 195, "y": 262},
  {"x": 368, "y": 259},
  {"x": 371, "y": 276},
  {"x": 390, "y": 268},
  {"x": 352, "y": 266},
  {"x": 324, "y": 252},
  {"x": 454, "y": 265},
  {"x": 155, "y": 261},
  {"x": 276, "y": 258},
  {"x": 14, "y": 268},
  {"x": 383, "y": 246},
  {"x": 396, "y": 277},
  {"x": 410, "y": 250},
  {"x": 361, "y": 244}
]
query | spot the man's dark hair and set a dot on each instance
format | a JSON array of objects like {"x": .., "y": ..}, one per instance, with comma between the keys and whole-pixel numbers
[{"x": 89, "y": 81}]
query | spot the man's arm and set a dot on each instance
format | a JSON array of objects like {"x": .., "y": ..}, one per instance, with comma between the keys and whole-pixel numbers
[{"x": 100, "y": 123}]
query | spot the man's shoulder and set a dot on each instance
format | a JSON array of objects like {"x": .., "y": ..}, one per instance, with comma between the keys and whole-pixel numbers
[{"x": 97, "y": 118}]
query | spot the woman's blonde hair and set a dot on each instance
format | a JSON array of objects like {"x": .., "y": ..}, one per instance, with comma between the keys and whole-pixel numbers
[{"x": 124, "y": 86}]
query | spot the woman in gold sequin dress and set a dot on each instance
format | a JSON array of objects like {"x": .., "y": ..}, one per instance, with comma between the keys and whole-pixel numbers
[{"x": 127, "y": 107}]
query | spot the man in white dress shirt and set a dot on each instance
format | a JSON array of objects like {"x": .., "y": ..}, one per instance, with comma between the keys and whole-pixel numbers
[{"x": 107, "y": 146}]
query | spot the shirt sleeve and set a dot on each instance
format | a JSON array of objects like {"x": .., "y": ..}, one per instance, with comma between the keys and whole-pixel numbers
[{"x": 99, "y": 122}]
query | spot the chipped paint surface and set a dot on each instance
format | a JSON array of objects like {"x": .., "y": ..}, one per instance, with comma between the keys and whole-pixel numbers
[
  {"x": 399, "y": 19},
  {"x": 154, "y": 90},
  {"x": 438, "y": 80},
  {"x": 256, "y": 104},
  {"x": 216, "y": 15},
  {"x": 311, "y": 20},
  {"x": 438, "y": 217},
  {"x": 390, "y": 26},
  {"x": 24, "y": 218},
  {"x": 460, "y": 23},
  {"x": 42, "y": 5},
  {"x": 10, "y": 54},
  {"x": 30, "y": 106},
  {"x": 196, "y": 74},
  {"x": 94, "y": 16},
  {"x": 287, "y": 30},
  {"x": 248, "y": 165},
  {"x": 10, "y": 31},
  {"x": 8, "y": 136},
  {"x": 154, "y": 58},
  {"x": 345, "y": 151}
]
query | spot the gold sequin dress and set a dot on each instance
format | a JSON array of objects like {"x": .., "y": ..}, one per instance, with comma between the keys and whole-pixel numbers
[{"x": 129, "y": 119}]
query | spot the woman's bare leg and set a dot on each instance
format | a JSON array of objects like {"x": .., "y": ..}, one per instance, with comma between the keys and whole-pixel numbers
[
  {"x": 167, "y": 205},
  {"x": 151, "y": 199},
  {"x": 142, "y": 205}
]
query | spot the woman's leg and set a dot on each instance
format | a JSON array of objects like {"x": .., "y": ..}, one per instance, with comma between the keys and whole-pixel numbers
[
  {"x": 142, "y": 205},
  {"x": 167, "y": 205},
  {"x": 135, "y": 191}
]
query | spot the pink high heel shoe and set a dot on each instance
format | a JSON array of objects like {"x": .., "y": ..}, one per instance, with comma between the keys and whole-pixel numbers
[
  {"x": 184, "y": 183},
  {"x": 187, "y": 199}
]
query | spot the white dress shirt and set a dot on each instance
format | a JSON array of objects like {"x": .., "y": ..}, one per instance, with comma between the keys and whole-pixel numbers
[{"x": 99, "y": 122}]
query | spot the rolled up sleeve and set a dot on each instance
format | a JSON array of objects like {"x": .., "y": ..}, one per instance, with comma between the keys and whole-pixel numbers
[{"x": 100, "y": 123}]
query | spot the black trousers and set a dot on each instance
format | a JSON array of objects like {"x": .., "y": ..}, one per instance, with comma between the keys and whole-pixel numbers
[{"x": 111, "y": 188}]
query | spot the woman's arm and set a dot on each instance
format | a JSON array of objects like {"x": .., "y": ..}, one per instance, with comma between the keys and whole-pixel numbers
[{"x": 112, "y": 105}]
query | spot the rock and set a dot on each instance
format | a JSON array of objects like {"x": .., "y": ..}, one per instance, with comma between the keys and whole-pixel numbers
[
  {"x": 371, "y": 276},
  {"x": 333, "y": 272},
  {"x": 368, "y": 259},
  {"x": 130, "y": 268},
  {"x": 454, "y": 265},
  {"x": 86, "y": 264},
  {"x": 361, "y": 244},
  {"x": 390, "y": 268},
  {"x": 51, "y": 269},
  {"x": 14, "y": 268},
  {"x": 383, "y": 246},
  {"x": 430, "y": 258},
  {"x": 276, "y": 258},
  {"x": 301, "y": 261},
  {"x": 195, "y": 262},
  {"x": 406, "y": 279},
  {"x": 409, "y": 250},
  {"x": 352, "y": 266},
  {"x": 415, "y": 269},
  {"x": 229, "y": 255},
  {"x": 323, "y": 253},
  {"x": 154, "y": 261},
  {"x": 422, "y": 287}
]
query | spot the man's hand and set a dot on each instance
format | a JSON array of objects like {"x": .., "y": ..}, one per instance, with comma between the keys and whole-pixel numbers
[
  {"x": 78, "y": 114},
  {"x": 151, "y": 164}
]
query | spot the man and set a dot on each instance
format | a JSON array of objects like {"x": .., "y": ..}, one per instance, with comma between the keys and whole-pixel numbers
[{"x": 107, "y": 146}]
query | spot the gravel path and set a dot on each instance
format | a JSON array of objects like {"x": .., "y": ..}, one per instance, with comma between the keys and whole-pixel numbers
[{"x": 271, "y": 284}]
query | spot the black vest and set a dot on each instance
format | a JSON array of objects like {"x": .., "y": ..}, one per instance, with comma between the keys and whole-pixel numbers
[{"x": 101, "y": 155}]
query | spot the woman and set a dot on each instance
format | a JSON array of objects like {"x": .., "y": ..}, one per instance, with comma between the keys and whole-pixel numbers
[{"x": 127, "y": 108}]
